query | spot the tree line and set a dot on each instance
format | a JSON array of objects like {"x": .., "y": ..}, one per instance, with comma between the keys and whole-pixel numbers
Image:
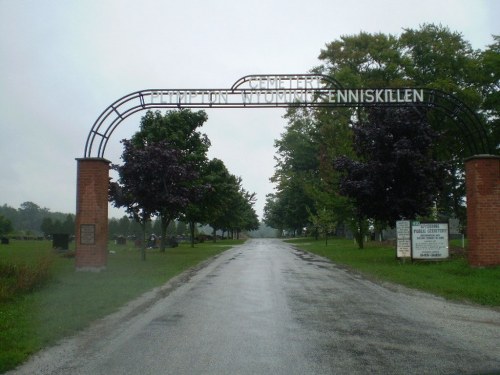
[
  {"x": 34, "y": 221},
  {"x": 130, "y": 229},
  {"x": 31, "y": 220},
  {"x": 364, "y": 169}
]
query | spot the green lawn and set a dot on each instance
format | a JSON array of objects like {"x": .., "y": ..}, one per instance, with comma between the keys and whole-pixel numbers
[
  {"x": 452, "y": 278},
  {"x": 71, "y": 300}
]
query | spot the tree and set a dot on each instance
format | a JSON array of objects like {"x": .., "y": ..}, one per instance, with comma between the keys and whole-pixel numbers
[
  {"x": 124, "y": 226},
  {"x": 47, "y": 226},
  {"x": 439, "y": 58},
  {"x": 223, "y": 203},
  {"x": 364, "y": 60},
  {"x": 11, "y": 214},
  {"x": 179, "y": 129},
  {"x": 152, "y": 181},
  {"x": 244, "y": 216},
  {"x": 221, "y": 199},
  {"x": 395, "y": 176},
  {"x": 274, "y": 214},
  {"x": 323, "y": 223},
  {"x": 181, "y": 228},
  {"x": 200, "y": 210},
  {"x": 68, "y": 227},
  {"x": 30, "y": 216},
  {"x": 490, "y": 78},
  {"x": 431, "y": 56},
  {"x": 172, "y": 229},
  {"x": 113, "y": 228},
  {"x": 295, "y": 172},
  {"x": 5, "y": 226}
]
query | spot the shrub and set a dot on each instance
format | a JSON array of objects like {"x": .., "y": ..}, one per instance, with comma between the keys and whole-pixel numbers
[{"x": 16, "y": 279}]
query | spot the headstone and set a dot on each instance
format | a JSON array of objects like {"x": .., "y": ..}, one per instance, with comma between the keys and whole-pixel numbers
[
  {"x": 60, "y": 241},
  {"x": 121, "y": 240}
]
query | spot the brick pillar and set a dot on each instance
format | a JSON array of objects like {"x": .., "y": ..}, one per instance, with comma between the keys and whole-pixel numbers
[
  {"x": 92, "y": 214},
  {"x": 482, "y": 180}
]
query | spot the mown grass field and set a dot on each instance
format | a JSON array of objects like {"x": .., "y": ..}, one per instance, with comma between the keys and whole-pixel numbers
[
  {"x": 452, "y": 278},
  {"x": 68, "y": 301}
]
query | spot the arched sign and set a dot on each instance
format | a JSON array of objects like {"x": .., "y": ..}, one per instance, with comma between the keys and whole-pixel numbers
[
  {"x": 285, "y": 90},
  {"x": 252, "y": 91}
]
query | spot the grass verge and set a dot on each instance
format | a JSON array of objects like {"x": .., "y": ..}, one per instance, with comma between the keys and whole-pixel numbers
[
  {"x": 453, "y": 279},
  {"x": 70, "y": 300}
]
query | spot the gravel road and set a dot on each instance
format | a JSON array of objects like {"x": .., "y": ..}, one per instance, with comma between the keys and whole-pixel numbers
[{"x": 267, "y": 308}]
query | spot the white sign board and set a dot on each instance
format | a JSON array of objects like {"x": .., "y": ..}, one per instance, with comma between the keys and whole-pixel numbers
[
  {"x": 429, "y": 240},
  {"x": 403, "y": 231}
]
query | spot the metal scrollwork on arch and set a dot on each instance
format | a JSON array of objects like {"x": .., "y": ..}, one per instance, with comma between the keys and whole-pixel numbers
[{"x": 283, "y": 91}]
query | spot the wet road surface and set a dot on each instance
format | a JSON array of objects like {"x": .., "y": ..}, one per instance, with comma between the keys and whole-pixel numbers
[{"x": 267, "y": 308}]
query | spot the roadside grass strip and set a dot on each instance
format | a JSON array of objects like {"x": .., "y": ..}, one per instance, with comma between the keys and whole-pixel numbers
[{"x": 453, "y": 278}]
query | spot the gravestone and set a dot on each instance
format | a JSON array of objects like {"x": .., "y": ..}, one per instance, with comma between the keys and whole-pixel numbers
[{"x": 60, "y": 241}]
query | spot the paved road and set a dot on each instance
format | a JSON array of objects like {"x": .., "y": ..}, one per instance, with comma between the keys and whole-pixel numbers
[{"x": 267, "y": 308}]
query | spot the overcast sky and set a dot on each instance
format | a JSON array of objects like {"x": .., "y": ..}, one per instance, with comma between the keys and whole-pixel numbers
[{"x": 62, "y": 62}]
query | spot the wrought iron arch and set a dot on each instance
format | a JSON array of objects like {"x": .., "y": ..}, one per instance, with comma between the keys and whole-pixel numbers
[{"x": 285, "y": 90}]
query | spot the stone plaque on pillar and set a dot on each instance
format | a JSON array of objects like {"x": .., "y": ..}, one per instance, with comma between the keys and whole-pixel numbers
[{"x": 87, "y": 234}]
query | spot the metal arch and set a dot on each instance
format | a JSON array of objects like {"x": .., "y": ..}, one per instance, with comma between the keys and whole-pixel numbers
[
  {"x": 475, "y": 135},
  {"x": 476, "y": 138},
  {"x": 96, "y": 127}
]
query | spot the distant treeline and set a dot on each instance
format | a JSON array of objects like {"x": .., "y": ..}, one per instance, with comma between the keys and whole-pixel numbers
[{"x": 31, "y": 219}]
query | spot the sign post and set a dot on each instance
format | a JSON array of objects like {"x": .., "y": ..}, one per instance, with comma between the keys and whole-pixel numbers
[{"x": 403, "y": 232}]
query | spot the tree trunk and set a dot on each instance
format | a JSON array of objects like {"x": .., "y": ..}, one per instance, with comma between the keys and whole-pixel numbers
[
  {"x": 143, "y": 247},
  {"x": 191, "y": 230},
  {"x": 360, "y": 233},
  {"x": 214, "y": 239},
  {"x": 164, "y": 225}
]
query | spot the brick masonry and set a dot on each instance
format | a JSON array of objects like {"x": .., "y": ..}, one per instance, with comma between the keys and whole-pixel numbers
[
  {"x": 92, "y": 214},
  {"x": 482, "y": 174}
]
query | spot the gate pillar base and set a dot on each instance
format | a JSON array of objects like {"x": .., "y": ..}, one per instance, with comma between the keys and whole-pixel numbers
[
  {"x": 482, "y": 179},
  {"x": 92, "y": 214}
]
